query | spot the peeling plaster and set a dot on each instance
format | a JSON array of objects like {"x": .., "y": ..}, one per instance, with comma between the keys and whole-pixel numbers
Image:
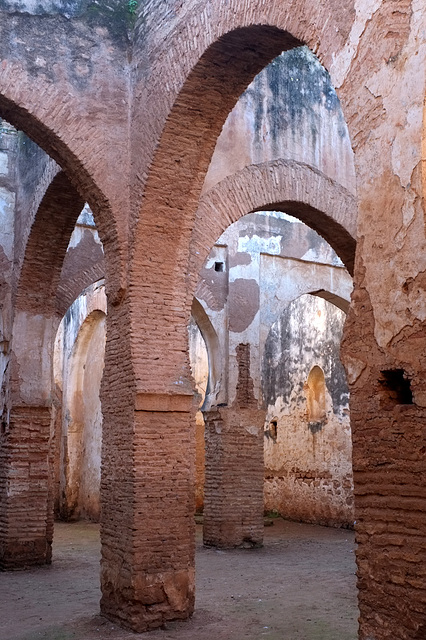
[
  {"x": 403, "y": 103},
  {"x": 395, "y": 149},
  {"x": 7, "y": 216},
  {"x": 365, "y": 9},
  {"x": 4, "y": 163}
]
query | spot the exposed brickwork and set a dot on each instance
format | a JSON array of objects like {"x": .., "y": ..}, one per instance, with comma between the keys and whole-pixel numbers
[
  {"x": 26, "y": 488},
  {"x": 36, "y": 293},
  {"x": 233, "y": 491},
  {"x": 83, "y": 265},
  {"x": 47, "y": 245},
  {"x": 389, "y": 511},
  {"x": 147, "y": 567},
  {"x": 191, "y": 61},
  {"x": 282, "y": 185},
  {"x": 70, "y": 288},
  {"x": 234, "y": 468}
]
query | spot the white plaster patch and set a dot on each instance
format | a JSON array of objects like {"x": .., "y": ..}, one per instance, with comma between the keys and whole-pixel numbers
[
  {"x": 354, "y": 368},
  {"x": 406, "y": 156},
  {"x": 343, "y": 60},
  {"x": 252, "y": 430},
  {"x": 255, "y": 244},
  {"x": 4, "y": 164},
  {"x": 78, "y": 233},
  {"x": 37, "y": 7},
  {"x": 7, "y": 214},
  {"x": 403, "y": 96},
  {"x": 408, "y": 210},
  {"x": 280, "y": 215},
  {"x": 323, "y": 254}
]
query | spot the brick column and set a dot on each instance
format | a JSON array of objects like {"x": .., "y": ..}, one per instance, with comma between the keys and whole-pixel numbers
[
  {"x": 26, "y": 488},
  {"x": 148, "y": 527},
  {"x": 233, "y": 492},
  {"x": 27, "y": 446},
  {"x": 388, "y": 418}
]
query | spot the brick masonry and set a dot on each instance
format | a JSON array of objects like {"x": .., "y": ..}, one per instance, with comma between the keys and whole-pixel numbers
[{"x": 125, "y": 131}]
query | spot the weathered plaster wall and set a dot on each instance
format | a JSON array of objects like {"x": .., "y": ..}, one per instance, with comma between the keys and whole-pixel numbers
[
  {"x": 206, "y": 52},
  {"x": 255, "y": 278},
  {"x": 8, "y": 188},
  {"x": 79, "y": 362},
  {"x": 289, "y": 111},
  {"x": 308, "y": 461},
  {"x": 257, "y": 268}
]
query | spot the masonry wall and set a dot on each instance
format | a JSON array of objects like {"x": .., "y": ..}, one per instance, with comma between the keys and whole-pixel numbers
[
  {"x": 289, "y": 111},
  {"x": 308, "y": 458},
  {"x": 94, "y": 103},
  {"x": 9, "y": 151},
  {"x": 200, "y": 370},
  {"x": 258, "y": 266},
  {"x": 79, "y": 363},
  {"x": 254, "y": 289}
]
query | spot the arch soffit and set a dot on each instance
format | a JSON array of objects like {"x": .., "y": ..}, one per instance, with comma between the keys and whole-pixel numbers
[
  {"x": 50, "y": 172},
  {"x": 281, "y": 25},
  {"x": 80, "y": 347},
  {"x": 338, "y": 301},
  {"x": 46, "y": 246},
  {"x": 215, "y": 67},
  {"x": 281, "y": 185},
  {"x": 71, "y": 288},
  {"x": 24, "y": 103}
]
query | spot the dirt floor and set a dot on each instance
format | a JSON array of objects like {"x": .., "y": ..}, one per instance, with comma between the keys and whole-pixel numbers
[{"x": 299, "y": 586}]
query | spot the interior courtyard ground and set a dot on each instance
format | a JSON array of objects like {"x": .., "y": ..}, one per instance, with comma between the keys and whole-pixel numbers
[{"x": 299, "y": 586}]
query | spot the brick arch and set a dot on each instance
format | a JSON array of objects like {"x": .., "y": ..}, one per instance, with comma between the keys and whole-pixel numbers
[
  {"x": 47, "y": 245},
  {"x": 339, "y": 301},
  {"x": 72, "y": 287},
  {"x": 50, "y": 171},
  {"x": 281, "y": 185},
  {"x": 209, "y": 92},
  {"x": 195, "y": 84},
  {"x": 21, "y": 106}
]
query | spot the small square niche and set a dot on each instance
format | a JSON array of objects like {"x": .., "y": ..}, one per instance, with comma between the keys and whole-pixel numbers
[{"x": 395, "y": 388}]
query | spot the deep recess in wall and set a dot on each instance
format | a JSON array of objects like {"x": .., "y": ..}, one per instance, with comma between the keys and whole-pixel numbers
[{"x": 395, "y": 388}]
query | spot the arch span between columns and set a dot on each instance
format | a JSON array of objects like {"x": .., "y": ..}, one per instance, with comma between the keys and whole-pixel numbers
[
  {"x": 24, "y": 104},
  {"x": 281, "y": 185}
]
